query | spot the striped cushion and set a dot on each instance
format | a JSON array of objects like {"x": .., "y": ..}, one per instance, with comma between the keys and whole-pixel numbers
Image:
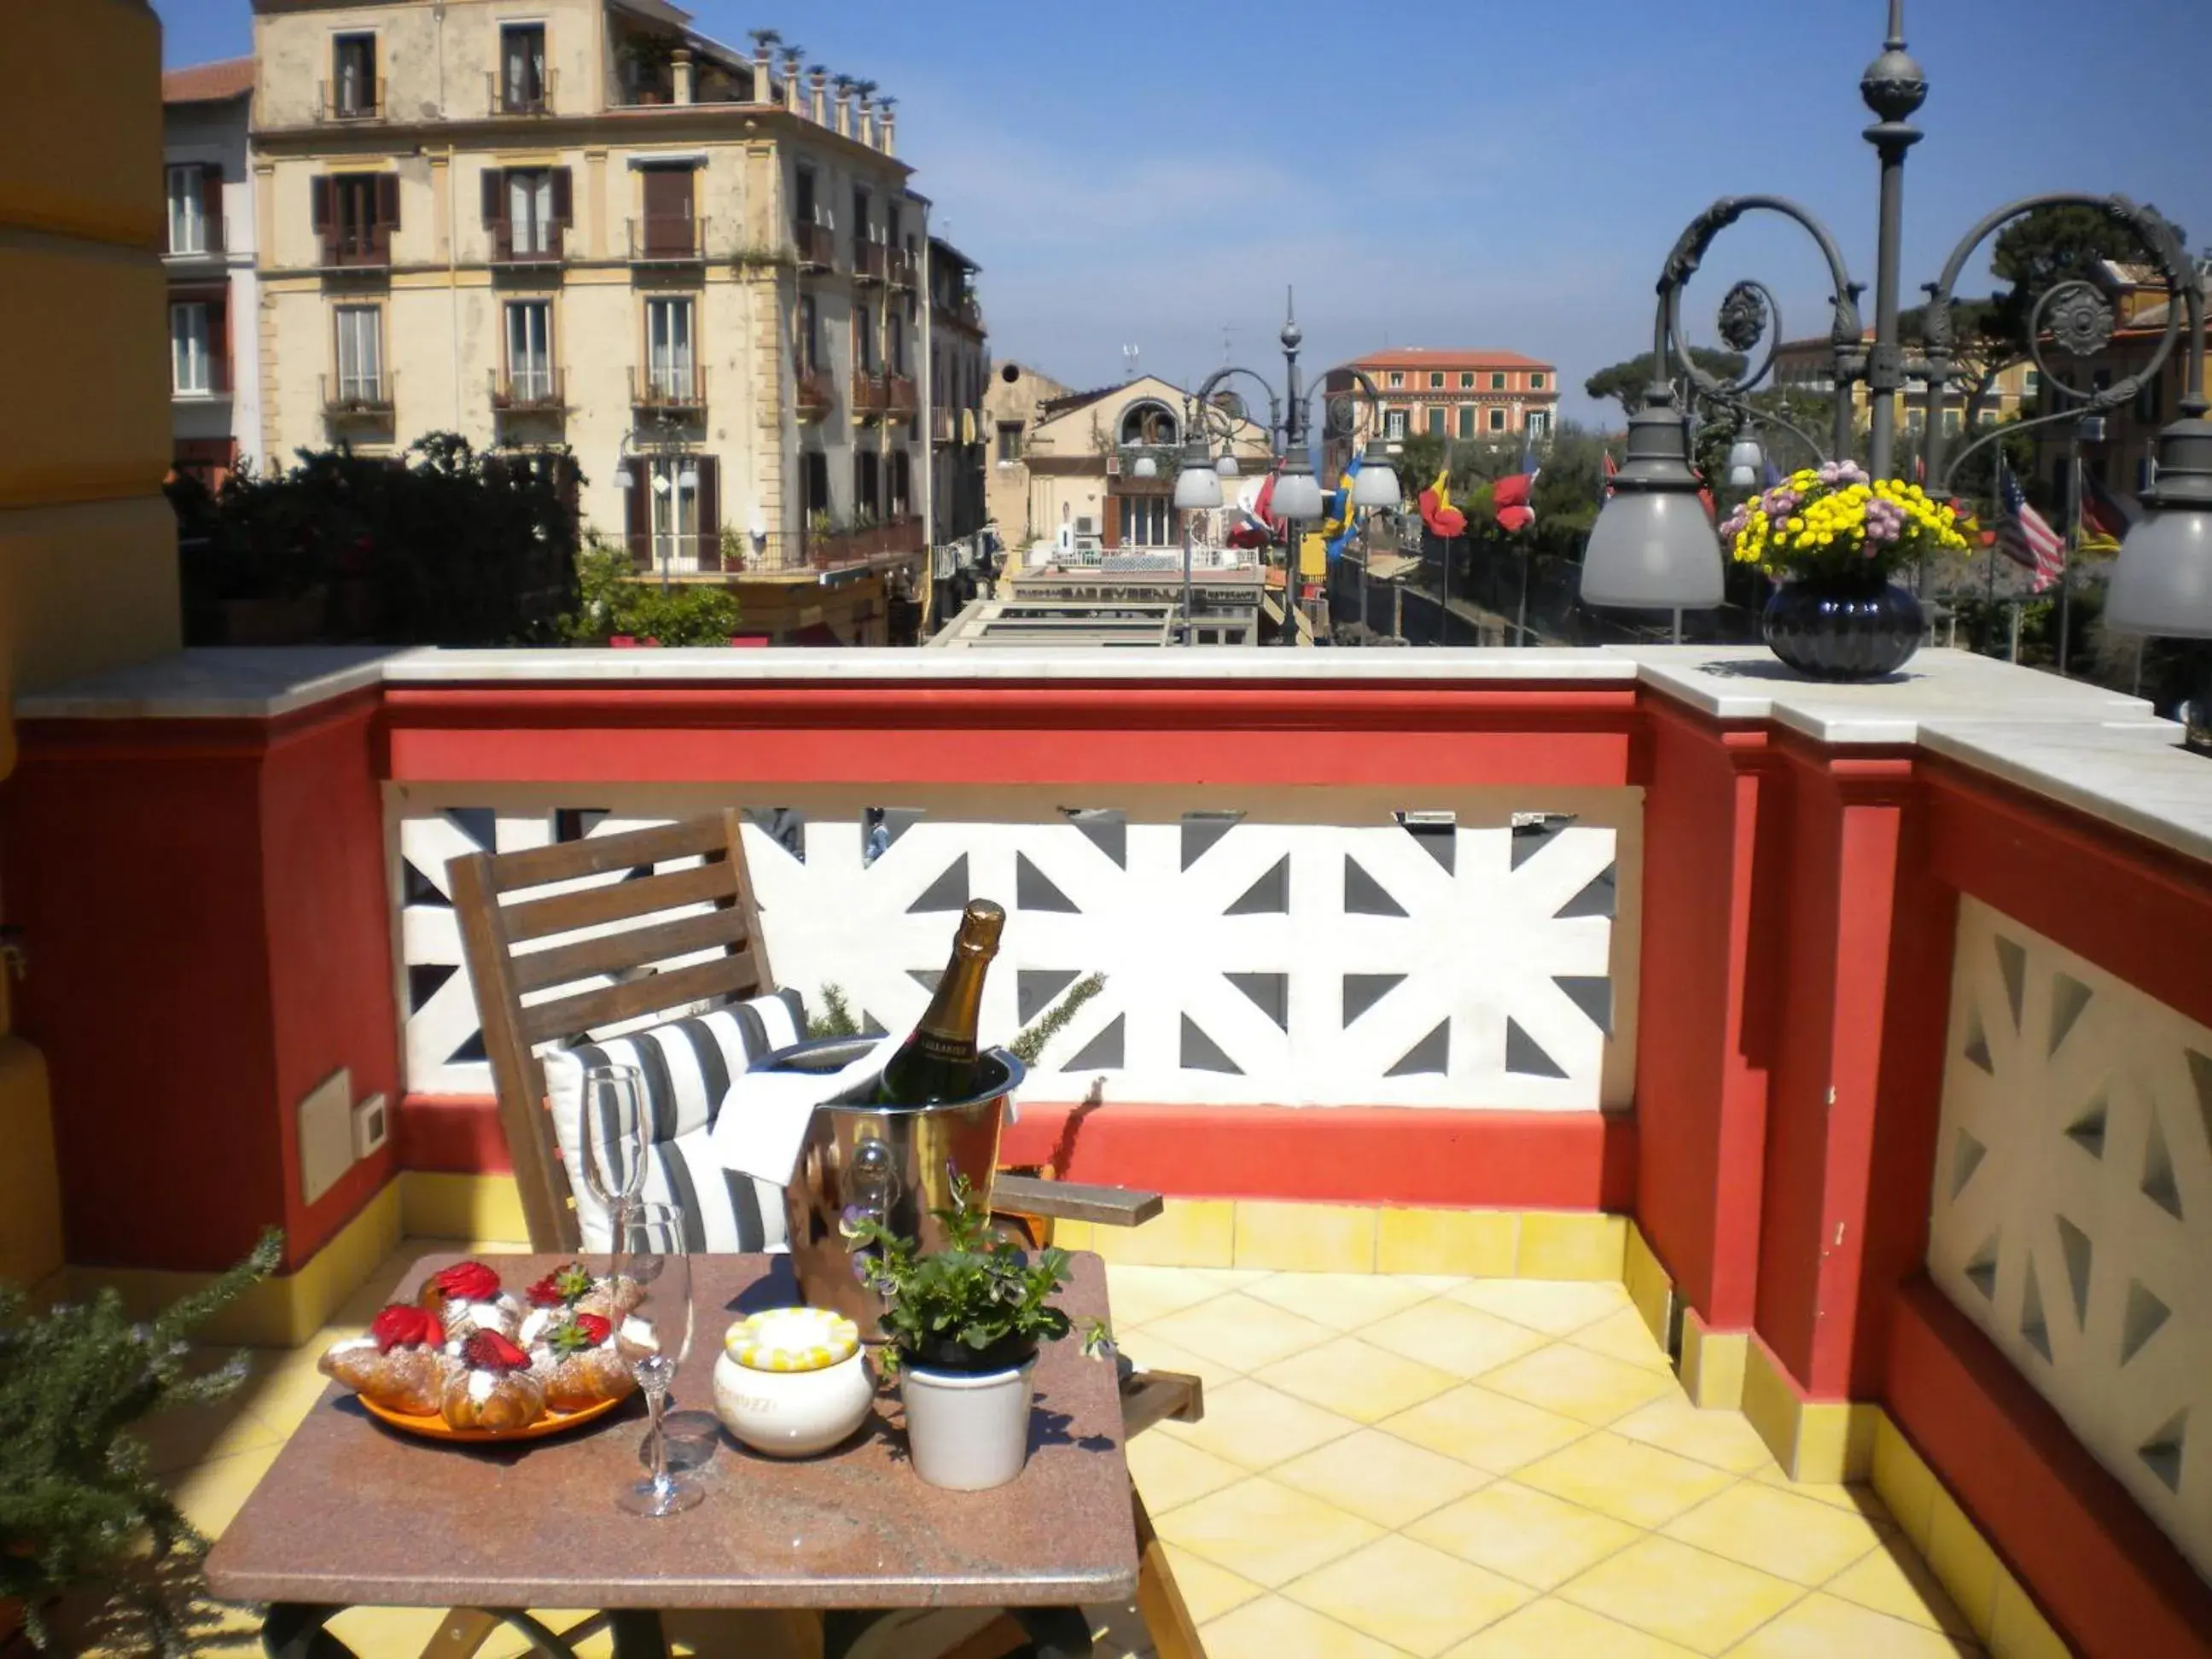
[{"x": 687, "y": 1065}]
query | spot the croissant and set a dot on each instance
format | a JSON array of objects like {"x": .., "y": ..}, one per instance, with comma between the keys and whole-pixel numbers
[
  {"x": 500, "y": 1401},
  {"x": 409, "y": 1379}
]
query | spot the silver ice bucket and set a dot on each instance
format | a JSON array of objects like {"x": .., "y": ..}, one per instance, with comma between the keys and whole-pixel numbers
[{"x": 893, "y": 1164}]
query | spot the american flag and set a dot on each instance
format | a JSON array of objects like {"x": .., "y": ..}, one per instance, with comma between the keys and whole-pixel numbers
[
  {"x": 1604, "y": 479},
  {"x": 2022, "y": 535}
]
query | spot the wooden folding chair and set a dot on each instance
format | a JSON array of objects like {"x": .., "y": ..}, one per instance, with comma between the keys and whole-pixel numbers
[{"x": 635, "y": 922}]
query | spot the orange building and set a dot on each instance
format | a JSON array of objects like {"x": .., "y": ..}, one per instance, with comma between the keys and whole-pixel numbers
[{"x": 1462, "y": 393}]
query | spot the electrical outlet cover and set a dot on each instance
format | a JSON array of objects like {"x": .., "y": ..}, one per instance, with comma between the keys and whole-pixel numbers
[
  {"x": 372, "y": 1126},
  {"x": 325, "y": 1134}
]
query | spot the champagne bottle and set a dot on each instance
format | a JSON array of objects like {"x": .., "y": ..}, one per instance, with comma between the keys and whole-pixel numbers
[{"x": 937, "y": 1061}]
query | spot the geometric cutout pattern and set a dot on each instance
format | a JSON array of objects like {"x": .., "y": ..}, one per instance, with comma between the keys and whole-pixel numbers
[
  {"x": 1533, "y": 837},
  {"x": 1201, "y": 1053},
  {"x": 2078, "y": 1238},
  {"x": 1363, "y": 991},
  {"x": 1460, "y": 976},
  {"x": 1364, "y": 895},
  {"x": 1270, "y": 995},
  {"x": 1524, "y": 1054},
  {"x": 2145, "y": 1314},
  {"x": 1964, "y": 1160},
  {"x": 1433, "y": 1054}
]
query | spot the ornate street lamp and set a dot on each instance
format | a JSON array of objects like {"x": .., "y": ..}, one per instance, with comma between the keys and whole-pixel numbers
[
  {"x": 1654, "y": 547},
  {"x": 1297, "y": 496}
]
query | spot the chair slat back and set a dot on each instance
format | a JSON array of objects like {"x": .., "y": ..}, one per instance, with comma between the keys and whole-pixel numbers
[{"x": 628, "y": 965}]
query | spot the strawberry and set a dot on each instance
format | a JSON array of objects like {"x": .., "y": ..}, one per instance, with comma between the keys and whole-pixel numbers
[
  {"x": 561, "y": 1287},
  {"x": 400, "y": 1326},
  {"x": 487, "y": 1351},
  {"x": 578, "y": 1333},
  {"x": 465, "y": 1281}
]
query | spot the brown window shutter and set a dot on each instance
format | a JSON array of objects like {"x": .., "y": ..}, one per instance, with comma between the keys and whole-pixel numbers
[
  {"x": 637, "y": 513},
  {"x": 495, "y": 197},
  {"x": 218, "y": 329},
  {"x": 564, "y": 197},
  {"x": 211, "y": 206},
  {"x": 710, "y": 512},
  {"x": 319, "y": 199},
  {"x": 387, "y": 200}
]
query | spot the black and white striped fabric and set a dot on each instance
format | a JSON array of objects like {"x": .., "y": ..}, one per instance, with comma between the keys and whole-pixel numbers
[{"x": 688, "y": 1066}]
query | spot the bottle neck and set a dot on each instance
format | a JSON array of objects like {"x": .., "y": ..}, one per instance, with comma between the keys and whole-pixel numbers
[{"x": 949, "y": 1026}]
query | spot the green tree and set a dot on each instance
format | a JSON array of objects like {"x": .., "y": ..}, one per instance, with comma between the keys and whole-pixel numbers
[
  {"x": 613, "y": 606},
  {"x": 2053, "y": 245},
  {"x": 1420, "y": 457},
  {"x": 1625, "y": 382}
]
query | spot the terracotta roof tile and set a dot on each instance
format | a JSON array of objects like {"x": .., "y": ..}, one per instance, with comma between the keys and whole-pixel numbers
[{"x": 208, "y": 84}]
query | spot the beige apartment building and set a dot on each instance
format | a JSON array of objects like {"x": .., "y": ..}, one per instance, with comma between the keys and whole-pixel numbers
[
  {"x": 539, "y": 223},
  {"x": 1810, "y": 365}
]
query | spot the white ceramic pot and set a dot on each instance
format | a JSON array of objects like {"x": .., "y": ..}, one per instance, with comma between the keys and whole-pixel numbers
[
  {"x": 792, "y": 1413},
  {"x": 967, "y": 1430}
]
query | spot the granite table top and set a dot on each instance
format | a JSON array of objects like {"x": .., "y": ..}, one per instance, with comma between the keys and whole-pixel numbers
[{"x": 353, "y": 1513}]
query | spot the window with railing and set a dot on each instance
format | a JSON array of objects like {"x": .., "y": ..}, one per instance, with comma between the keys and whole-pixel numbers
[
  {"x": 191, "y": 371},
  {"x": 355, "y": 215},
  {"x": 361, "y": 353},
  {"x": 864, "y": 343},
  {"x": 669, "y": 364},
  {"x": 353, "y": 77},
  {"x": 522, "y": 83},
  {"x": 527, "y": 211},
  {"x": 195, "y": 194},
  {"x": 530, "y": 351}
]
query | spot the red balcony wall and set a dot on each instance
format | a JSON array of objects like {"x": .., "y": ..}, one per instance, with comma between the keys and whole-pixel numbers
[{"x": 211, "y": 940}]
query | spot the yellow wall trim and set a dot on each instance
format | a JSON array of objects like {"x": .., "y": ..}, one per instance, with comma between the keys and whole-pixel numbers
[{"x": 1827, "y": 1441}]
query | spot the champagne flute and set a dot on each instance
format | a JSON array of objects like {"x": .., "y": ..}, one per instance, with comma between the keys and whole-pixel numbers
[
  {"x": 615, "y": 1142},
  {"x": 655, "y": 1236}
]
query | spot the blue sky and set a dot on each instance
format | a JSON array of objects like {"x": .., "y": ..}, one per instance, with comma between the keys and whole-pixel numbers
[{"x": 1457, "y": 172}]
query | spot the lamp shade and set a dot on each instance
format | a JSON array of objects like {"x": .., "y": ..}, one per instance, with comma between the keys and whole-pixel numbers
[
  {"x": 1226, "y": 466},
  {"x": 1744, "y": 453},
  {"x": 625, "y": 479},
  {"x": 1197, "y": 487},
  {"x": 1376, "y": 486},
  {"x": 1741, "y": 477},
  {"x": 2162, "y": 581},
  {"x": 1653, "y": 550},
  {"x": 688, "y": 478},
  {"x": 1297, "y": 494},
  {"x": 1146, "y": 467}
]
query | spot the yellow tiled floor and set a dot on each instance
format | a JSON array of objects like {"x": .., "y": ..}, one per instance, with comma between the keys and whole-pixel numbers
[{"x": 1390, "y": 1466}]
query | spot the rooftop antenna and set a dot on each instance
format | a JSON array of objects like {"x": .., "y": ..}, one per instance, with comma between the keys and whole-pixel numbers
[{"x": 1129, "y": 355}]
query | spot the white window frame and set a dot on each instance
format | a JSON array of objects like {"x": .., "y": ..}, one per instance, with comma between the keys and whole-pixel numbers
[
  {"x": 529, "y": 209},
  {"x": 670, "y": 352},
  {"x": 530, "y": 371},
  {"x": 187, "y": 208},
  {"x": 672, "y": 512},
  {"x": 1394, "y": 423},
  {"x": 191, "y": 369},
  {"x": 359, "y": 330}
]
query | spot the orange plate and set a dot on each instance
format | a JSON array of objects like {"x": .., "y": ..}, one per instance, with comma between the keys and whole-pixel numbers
[{"x": 435, "y": 1428}]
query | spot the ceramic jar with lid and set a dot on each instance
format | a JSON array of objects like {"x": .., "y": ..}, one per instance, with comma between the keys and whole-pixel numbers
[{"x": 792, "y": 1382}]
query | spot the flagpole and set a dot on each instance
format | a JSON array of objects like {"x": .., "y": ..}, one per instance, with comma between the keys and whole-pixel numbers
[
  {"x": 2066, "y": 548},
  {"x": 1990, "y": 602}
]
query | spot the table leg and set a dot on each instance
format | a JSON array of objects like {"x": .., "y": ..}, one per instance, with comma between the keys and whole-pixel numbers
[
  {"x": 294, "y": 1631},
  {"x": 637, "y": 1634},
  {"x": 1056, "y": 1633}
]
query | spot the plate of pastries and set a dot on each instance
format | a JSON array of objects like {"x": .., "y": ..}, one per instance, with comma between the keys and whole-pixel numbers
[{"x": 470, "y": 1360}]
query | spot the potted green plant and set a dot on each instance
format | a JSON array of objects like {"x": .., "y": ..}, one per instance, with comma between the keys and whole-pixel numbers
[{"x": 964, "y": 1324}]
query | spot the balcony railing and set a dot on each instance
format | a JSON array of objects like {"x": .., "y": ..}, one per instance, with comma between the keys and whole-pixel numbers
[
  {"x": 871, "y": 397},
  {"x": 943, "y": 424},
  {"x": 505, "y": 97},
  {"x": 898, "y": 396},
  {"x": 363, "y": 248},
  {"x": 357, "y": 397},
  {"x": 815, "y": 246},
  {"x": 202, "y": 239},
  {"x": 339, "y": 103},
  {"x": 513, "y": 244},
  {"x": 813, "y": 393},
  {"x": 894, "y": 538},
  {"x": 214, "y": 383},
  {"x": 904, "y": 269},
  {"x": 868, "y": 260},
  {"x": 537, "y": 389},
  {"x": 964, "y": 309},
  {"x": 672, "y": 389},
  {"x": 667, "y": 239}
]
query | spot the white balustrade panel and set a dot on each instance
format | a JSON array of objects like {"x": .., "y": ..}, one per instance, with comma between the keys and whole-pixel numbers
[
  {"x": 1323, "y": 964},
  {"x": 2072, "y": 1210}
]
